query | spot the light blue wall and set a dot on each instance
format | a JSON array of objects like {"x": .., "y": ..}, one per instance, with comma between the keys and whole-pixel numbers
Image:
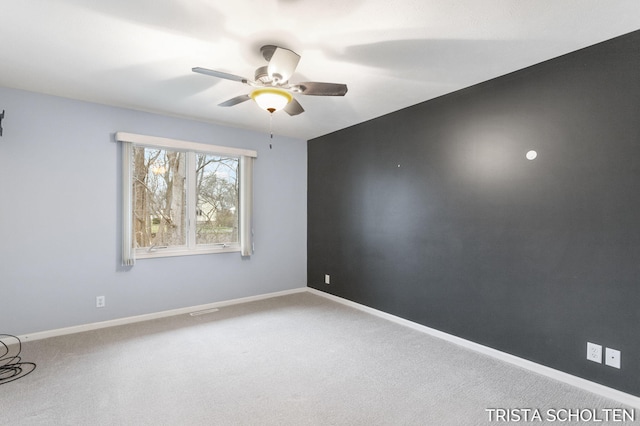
[{"x": 60, "y": 225}]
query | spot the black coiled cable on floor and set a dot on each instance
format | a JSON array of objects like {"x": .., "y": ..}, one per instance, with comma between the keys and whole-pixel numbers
[{"x": 11, "y": 365}]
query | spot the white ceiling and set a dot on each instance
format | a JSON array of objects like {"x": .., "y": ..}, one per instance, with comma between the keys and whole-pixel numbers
[{"x": 391, "y": 53}]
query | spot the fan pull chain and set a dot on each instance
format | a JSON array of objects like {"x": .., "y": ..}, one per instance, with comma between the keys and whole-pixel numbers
[{"x": 271, "y": 129}]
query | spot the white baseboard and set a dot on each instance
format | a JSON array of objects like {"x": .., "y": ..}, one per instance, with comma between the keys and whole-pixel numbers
[
  {"x": 155, "y": 315},
  {"x": 596, "y": 388}
]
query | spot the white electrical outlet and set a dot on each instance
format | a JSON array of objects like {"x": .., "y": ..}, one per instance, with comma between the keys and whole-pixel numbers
[
  {"x": 327, "y": 279},
  {"x": 612, "y": 357},
  {"x": 594, "y": 352},
  {"x": 100, "y": 301}
]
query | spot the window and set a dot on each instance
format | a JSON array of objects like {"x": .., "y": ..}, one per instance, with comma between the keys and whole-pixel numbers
[{"x": 183, "y": 198}]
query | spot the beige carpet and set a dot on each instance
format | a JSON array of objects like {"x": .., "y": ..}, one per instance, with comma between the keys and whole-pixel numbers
[{"x": 292, "y": 360}]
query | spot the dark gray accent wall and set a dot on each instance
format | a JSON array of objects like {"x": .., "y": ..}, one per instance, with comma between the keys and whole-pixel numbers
[{"x": 434, "y": 214}]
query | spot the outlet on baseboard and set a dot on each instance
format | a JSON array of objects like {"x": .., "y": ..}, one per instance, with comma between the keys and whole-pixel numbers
[
  {"x": 327, "y": 279},
  {"x": 594, "y": 352}
]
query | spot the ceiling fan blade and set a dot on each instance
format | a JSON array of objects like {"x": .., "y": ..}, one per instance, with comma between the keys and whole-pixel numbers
[
  {"x": 235, "y": 101},
  {"x": 220, "y": 74},
  {"x": 293, "y": 108},
  {"x": 322, "y": 89},
  {"x": 282, "y": 64}
]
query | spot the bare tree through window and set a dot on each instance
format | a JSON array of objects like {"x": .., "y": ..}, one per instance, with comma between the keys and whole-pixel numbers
[
  {"x": 160, "y": 193},
  {"x": 217, "y": 199}
]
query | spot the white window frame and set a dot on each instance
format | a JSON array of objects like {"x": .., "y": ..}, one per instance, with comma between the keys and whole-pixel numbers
[{"x": 245, "y": 197}]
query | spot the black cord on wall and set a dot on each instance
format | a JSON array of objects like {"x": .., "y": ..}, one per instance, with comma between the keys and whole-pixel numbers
[
  {"x": 1, "y": 117},
  {"x": 11, "y": 367}
]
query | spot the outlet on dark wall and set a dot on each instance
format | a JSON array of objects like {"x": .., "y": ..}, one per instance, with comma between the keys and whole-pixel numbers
[{"x": 434, "y": 213}]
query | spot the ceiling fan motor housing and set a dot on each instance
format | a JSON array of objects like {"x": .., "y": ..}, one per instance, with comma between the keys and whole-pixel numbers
[{"x": 262, "y": 75}]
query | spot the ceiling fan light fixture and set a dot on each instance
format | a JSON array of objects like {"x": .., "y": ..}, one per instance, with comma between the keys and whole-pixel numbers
[{"x": 271, "y": 99}]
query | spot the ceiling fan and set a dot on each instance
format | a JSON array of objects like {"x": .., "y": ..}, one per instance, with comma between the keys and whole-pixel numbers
[{"x": 273, "y": 91}]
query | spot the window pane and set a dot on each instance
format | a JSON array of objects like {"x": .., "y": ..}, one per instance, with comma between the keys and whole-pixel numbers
[
  {"x": 159, "y": 216},
  {"x": 217, "y": 199}
]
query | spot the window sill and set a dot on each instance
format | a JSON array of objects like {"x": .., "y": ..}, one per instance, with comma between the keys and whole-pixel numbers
[{"x": 174, "y": 251}]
